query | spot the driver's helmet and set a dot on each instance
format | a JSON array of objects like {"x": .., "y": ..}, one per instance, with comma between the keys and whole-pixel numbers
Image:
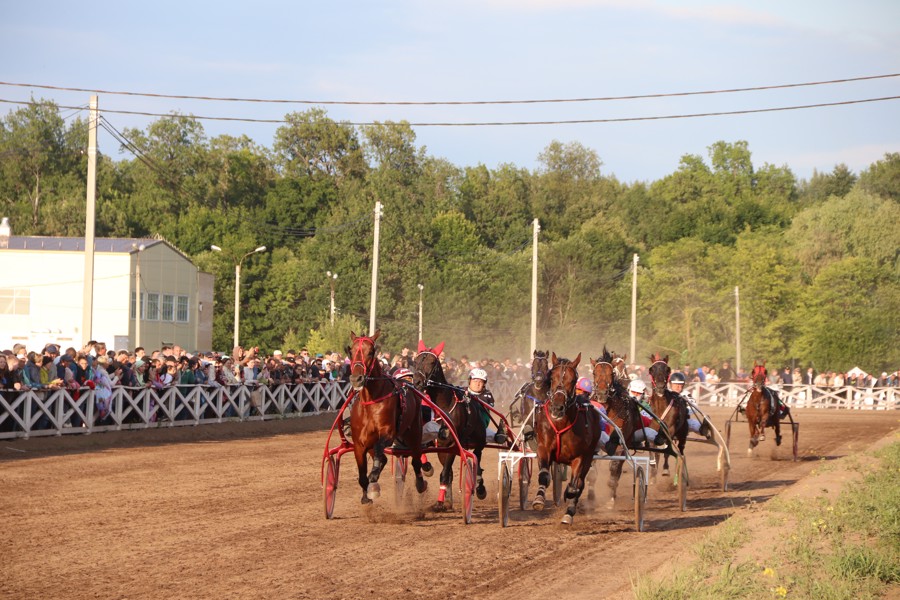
[
  {"x": 637, "y": 387},
  {"x": 478, "y": 374},
  {"x": 584, "y": 385},
  {"x": 402, "y": 373},
  {"x": 677, "y": 377}
]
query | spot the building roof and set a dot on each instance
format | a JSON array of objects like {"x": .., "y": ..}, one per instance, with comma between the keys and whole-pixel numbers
[{"x": 76, "y": 244}]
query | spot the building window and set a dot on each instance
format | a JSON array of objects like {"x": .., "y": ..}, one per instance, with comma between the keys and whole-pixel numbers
[
  {"x": 15, "y": 301},
  {"x": 182, "y": 315},
  {"x": 143, "y": 306},
  {"x": 168, "y": 308},
  {"x": 152, "y": 307}
]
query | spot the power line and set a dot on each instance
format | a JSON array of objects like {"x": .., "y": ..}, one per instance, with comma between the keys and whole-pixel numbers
[
  {"x": 512, "y": 123},
  {"x": 451, "y": 102}
]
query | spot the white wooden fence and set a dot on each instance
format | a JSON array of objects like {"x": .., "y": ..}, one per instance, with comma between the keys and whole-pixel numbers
[{"x": 39, "y": 413}]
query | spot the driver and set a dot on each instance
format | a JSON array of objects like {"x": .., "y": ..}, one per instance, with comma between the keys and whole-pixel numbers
[
  {"x": 478, "y": 389},
  {"x": 430, "y": 429},
  {"x": 696, "y": 421},
  {"x": 637, "y": 391}
]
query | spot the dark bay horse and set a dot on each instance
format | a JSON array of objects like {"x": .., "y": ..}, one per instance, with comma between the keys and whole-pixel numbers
[
  {"x": 610, "y": 393},
  {"x": 536, "y": 389},
  {"x": 465, "y": 417},
  {"x": 761, "y": 410},
  {"x": 670, "y": 407},
  {"x": 384, "y": 412},
  {"x": 567, "y": 433}
]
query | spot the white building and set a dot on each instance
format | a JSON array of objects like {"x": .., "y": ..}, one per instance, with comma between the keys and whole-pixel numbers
[{"x": 42, "y": 294}]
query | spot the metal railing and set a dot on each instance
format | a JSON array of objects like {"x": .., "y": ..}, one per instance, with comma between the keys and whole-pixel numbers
[{"x": 63, "y": 412}]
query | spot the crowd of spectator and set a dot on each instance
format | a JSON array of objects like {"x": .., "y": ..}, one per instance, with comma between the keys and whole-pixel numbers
[{"x": 101, "y": 369}]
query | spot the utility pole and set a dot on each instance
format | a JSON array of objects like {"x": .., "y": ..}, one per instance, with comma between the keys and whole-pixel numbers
[
  {"x": 137, "y": 295},
  {"x": 332, "y": 277},
  {"x": 634, "y": 309},
  {"x": 737, "y": 329},
  {"x": 536, "y": 226},
  {"x": 87, "y": 305},
  {"x": 378, "y": 214},
  {"x": 421, "y": 292}
]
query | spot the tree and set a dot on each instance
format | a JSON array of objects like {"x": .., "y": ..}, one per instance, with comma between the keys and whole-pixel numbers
[
  {"x": 822, "y": 186},
  {"x": 312, "y": 144},
  {"x": 883, "y": 177}
]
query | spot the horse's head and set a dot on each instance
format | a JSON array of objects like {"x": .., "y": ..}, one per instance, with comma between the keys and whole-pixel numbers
[
  {"x": 540, "y": 368},
  {"x": 659, "y": 372},
  {"x": 427, "y": 366},
  {"x": 363, "y": 362},
  {"x": 758, "y": 374},
  {"x": 563, "y": 377},
  {"x": 604, "y": 375}
]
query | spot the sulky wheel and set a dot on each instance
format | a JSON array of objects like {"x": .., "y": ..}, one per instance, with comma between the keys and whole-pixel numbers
[
  {"x": 468, "y": 488},
  {"x": 640, "y": 498},
  {"x": 332, "y": 467},
  {"x": 504, "y": 493},
  {"x": 682, "y": 483},
  {"x": 400, "y": 467},
  {"x": 727, "y": 433},
  {"x": 524, "y": 481},
  {"x": 723, "y": 477},
  {"x": 795, "y": 431}
]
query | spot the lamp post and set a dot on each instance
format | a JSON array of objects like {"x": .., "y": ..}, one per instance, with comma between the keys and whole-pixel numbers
[
  {"x": 332, "y": 277},
  {"x": 237, "y": 289},
  {"x": 421, "y": 291},
  {"x": 138, "y": 313}
]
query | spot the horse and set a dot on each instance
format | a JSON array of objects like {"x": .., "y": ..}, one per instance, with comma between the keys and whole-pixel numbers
[
  {"x": 465, "y": 418},
  {"x": 760, "y": 410},
  {"x": 384, "y": 412},
  {"x": 670, "y": 407},
  {"x": 609, "y": 392},
  {"x": 534, "y": 391},
  {"x": 567, "y": 433}
]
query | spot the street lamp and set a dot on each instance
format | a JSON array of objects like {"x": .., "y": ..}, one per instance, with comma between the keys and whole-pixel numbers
[
  {"x": 331, "y": 279},
  {"x": 138, "y": 313},
  {"x": 421, "y": 290},
  {"x": 237, "y": 289}
]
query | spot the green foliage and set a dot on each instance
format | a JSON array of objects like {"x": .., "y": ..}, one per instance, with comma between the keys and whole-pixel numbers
[
  {"x": 465, "y": 234},
  {"x": 334, "y": 338}
]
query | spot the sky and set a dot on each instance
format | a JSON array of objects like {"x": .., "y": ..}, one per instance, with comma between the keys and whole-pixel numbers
[{"x": 486, "y": 50}]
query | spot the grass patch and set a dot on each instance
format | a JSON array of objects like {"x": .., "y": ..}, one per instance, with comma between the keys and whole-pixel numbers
[{"x": 822, "y": 548}]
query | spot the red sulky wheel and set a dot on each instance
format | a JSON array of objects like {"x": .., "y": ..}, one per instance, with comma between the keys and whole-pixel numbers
[{"x": 332, "y": 469}]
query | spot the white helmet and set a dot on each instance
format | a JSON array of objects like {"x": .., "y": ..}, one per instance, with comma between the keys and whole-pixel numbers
[
  {"x": 637, "y": 386},
  {"x": 478, "y": 374}
]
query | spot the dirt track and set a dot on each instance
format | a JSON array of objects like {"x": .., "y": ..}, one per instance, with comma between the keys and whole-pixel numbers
[{"x": 236, "y": 511}]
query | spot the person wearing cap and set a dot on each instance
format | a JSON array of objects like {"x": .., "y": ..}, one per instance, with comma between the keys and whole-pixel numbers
[
  {"x": 696, "y": 421},
  {"x": 478, "y": 389},
  {"x": 637, "y": 391},
  {"x": 430, "y": 428}
]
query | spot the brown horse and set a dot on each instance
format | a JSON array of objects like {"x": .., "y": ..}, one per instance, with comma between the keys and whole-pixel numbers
[
  {"x": 567, "y": 433},
  {"x": 465, "y": 417},
  {"x": 670, "y": 407},
  {"x": 761, "y": 411},
  {"x": 610, "y": 393},
  {"x": 383, "y": 413}
]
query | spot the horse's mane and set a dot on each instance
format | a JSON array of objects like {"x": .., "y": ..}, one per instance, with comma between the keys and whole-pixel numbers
[
  {"x": 606, "y": 356},
  {"x": 655, "y": 357},
  {"x": 541, "y": 354}
]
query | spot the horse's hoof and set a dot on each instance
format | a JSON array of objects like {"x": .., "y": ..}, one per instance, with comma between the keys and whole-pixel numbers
[
  {"x": 421, "y": 485},
  {"x": 440, "y": 507},
  {"x": 762, "y": 438},
  {"x": 427, "y": 470},
  {"x": 444, "y": 433},
  {"x": 499, "y": 438},
  {"x": 591, "y": 495},
  {"x": 365, "y": 500},
  {"x": 373, "y": 491},
  {"x": 777, "y": 440},
  {"x": 481, "y": 492},
  {"x": 611, "y": 503},
  {"x": 665, "y": 473},
  {"x": 538, "y": 503},
  {"x": 749, "y": 451},
  {"x": 567, "y": 519}
]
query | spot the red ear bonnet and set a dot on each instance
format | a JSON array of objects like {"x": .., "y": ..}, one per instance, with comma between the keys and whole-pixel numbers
[{"x": 438, "y": 349}]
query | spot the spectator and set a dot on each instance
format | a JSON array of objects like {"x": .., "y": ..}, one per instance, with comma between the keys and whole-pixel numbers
[
  {"x": 726, "y": 373},
  {"x": 102, "y": 389}
]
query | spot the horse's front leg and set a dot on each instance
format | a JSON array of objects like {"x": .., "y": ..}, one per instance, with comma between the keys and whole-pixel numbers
[
  {"x": 480, "y": 490},
  {"x": 445, "y": 493},
  {"x": 580, "y": 467},
  {"x": 540, "y": 498},
  {"x": 615, "y": 472},
  {"x": 417, "y": 464},
  {"x": 777, "y": 431},
  {"x": 361, "y": 463},
  {"x": 379, "y": 460}
]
